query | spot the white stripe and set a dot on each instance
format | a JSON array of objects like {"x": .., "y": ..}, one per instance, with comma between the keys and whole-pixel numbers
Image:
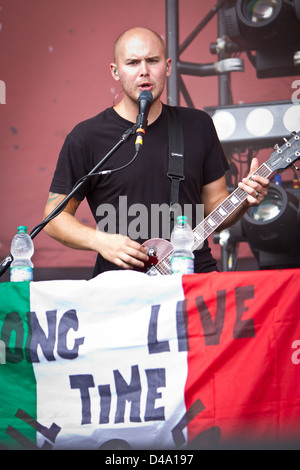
[{"x": 114, "y": 311}]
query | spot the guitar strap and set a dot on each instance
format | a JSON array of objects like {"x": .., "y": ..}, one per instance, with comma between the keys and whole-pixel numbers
[{"x": 176, "y": 157}]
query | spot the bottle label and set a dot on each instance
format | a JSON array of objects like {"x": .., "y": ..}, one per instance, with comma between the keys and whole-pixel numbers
[
  {"x": 21, "y": 274},
  {"x": 182, "y": 265}
]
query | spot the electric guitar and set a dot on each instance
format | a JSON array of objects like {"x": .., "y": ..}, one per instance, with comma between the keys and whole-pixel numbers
[{"x": 160, "y": 251}]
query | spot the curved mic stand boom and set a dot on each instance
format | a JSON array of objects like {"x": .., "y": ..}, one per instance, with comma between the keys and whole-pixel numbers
[{"x": 5, "y": 264}]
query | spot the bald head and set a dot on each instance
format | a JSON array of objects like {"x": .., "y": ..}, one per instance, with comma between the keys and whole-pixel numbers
[
  {"x": 140, "y": 63},
  {"x": 137, "y": 34}
]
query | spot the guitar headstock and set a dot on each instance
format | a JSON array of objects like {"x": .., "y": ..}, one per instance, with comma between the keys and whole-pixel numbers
[{"x": 285, "y": 155}]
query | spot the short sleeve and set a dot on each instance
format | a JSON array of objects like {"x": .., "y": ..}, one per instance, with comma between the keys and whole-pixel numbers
[
  {"x": 216, "y": 163},
  {"x": 69, "y": 169}
]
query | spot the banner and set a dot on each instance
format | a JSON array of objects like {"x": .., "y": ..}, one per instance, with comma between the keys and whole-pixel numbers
[{"x": 129, "y": 361}]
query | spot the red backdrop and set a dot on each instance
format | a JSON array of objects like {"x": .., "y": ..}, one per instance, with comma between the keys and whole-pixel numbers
[{"x": 55, "y": 59}]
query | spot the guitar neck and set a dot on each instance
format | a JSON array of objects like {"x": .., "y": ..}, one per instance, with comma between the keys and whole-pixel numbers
[
  {"x": 215, "y": 219},
  {"x": 224, "y": 210}
]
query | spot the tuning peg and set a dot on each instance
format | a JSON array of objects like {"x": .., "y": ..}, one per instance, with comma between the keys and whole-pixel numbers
[
  {"x": 296, "y": 168},
  {"x": 277, "y": 148}
]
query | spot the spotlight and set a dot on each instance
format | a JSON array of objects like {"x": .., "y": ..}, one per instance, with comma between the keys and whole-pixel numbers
[
  {"x": 259, "y": 24},
  {"x": 271, "y": 28},
  {"x": 260, "y": 10},
  {"x": 272, "y": 229}
]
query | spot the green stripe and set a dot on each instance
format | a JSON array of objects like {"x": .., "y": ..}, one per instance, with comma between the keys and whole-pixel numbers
[{"x": 17, "y": 380}]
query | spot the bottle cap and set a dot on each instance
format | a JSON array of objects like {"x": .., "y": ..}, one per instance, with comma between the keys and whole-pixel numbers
[
  {"x": 22, "y": 229},
  {"x": 181, "y": 219}
]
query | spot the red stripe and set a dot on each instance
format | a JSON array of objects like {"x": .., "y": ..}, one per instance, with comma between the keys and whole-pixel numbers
[{"x": 241, "y": 328}]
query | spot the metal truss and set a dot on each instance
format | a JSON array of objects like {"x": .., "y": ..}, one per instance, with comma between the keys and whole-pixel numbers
[{"x": 221, "y": 68}]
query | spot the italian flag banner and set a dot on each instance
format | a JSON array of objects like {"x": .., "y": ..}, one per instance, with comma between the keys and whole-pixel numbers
[{"x": 129, "y": 361}]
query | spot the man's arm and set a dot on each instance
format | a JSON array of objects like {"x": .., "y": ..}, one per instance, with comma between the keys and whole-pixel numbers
[
  {"x": 69, "y": 231},
  {"x": 213, "y": 194}
]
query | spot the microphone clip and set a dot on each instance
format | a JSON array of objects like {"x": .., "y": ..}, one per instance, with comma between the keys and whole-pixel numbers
[{"x": 129, "y": 132}]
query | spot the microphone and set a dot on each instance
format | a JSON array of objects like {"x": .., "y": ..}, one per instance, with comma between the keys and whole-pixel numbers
[{"x": 145, "y": 100}]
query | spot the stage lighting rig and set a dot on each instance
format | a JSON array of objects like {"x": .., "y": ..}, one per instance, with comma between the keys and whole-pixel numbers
[
  {"x": 256, "y": 125},
  {"x": 271, "y": 28},
  {"x": 271, "y": 229}
]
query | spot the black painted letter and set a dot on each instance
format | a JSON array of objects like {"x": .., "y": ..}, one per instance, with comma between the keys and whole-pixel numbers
[
  {"x": 69, "y": 320},
  {"x": 212, "y": 328},
  {"x": 243, "y": 328},
  {"x": 83, "y": 383},
  {"x": 156, "y": 378},
  {"x": 155, "y": 346},
  {"x": 131, "y": 392}
]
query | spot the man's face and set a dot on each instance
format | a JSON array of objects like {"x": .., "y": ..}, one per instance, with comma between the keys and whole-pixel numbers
[{"x": 142, "y": 65}]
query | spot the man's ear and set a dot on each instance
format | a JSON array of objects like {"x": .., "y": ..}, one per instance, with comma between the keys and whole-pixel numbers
[
  {"x": 114, "y": 71},
  {"x": 168, "y": 66}
]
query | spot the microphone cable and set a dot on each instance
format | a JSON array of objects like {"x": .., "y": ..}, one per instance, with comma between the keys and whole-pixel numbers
[{"x": 81, "y": 180}]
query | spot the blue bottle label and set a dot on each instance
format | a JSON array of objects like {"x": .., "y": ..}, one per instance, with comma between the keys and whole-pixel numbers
[
  {"x": 21, "y": 274},
  {"x": 182, "y": 265}
]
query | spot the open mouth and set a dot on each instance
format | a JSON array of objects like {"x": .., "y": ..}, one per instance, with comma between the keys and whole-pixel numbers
[{"x": 145, "y": 86}]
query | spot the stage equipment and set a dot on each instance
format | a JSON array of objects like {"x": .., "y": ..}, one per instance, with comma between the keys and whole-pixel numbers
[
  {"x": 256, "y": 125},
  {"x": 271, "y": 229},
  {"x": 222, "y": 67},
  {"x": 269, "y": 27},
  {"x": 268, "y": 31}
]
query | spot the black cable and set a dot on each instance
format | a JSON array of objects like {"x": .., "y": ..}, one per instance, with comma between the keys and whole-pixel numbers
[
  {"x": 105, "y": 172},
  {"x": 82, "y": 180}
]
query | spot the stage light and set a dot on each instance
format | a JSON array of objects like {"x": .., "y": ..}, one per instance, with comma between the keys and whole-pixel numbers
[
  {"x": 258, "y": 125},
  {"x": 263, "y": 23},
  {"x": 260, "y": 10},
  {"x": 274, "y": 225},
  {"x": 260, "y": 122},
  {"x": 272, "y": 229},
  {"x": 269, "y": 27}
]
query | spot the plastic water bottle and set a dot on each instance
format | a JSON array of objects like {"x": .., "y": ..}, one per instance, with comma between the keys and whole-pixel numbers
[
  {"x": 182, "y": 239},
  {"x": 21, "y": 268}
]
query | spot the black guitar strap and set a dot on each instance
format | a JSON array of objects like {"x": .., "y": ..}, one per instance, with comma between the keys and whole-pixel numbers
[{"x": 176, "y": 157}]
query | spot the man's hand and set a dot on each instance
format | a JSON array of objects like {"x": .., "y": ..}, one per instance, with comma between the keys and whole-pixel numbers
[
  {"x": 117, "y": 249},
  {"x": 257, "y": 187},
  {"x": 121, "y": 250}
]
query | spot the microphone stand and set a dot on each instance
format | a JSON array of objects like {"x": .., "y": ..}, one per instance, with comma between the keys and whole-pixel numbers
[{"x": 5, "y": 264}]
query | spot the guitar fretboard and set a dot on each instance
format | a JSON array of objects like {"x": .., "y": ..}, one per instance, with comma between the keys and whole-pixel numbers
[{"x": 214, "y": 220}]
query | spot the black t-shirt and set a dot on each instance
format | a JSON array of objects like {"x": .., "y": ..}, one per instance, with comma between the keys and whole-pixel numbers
[{"x": 134, "y": 200}]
